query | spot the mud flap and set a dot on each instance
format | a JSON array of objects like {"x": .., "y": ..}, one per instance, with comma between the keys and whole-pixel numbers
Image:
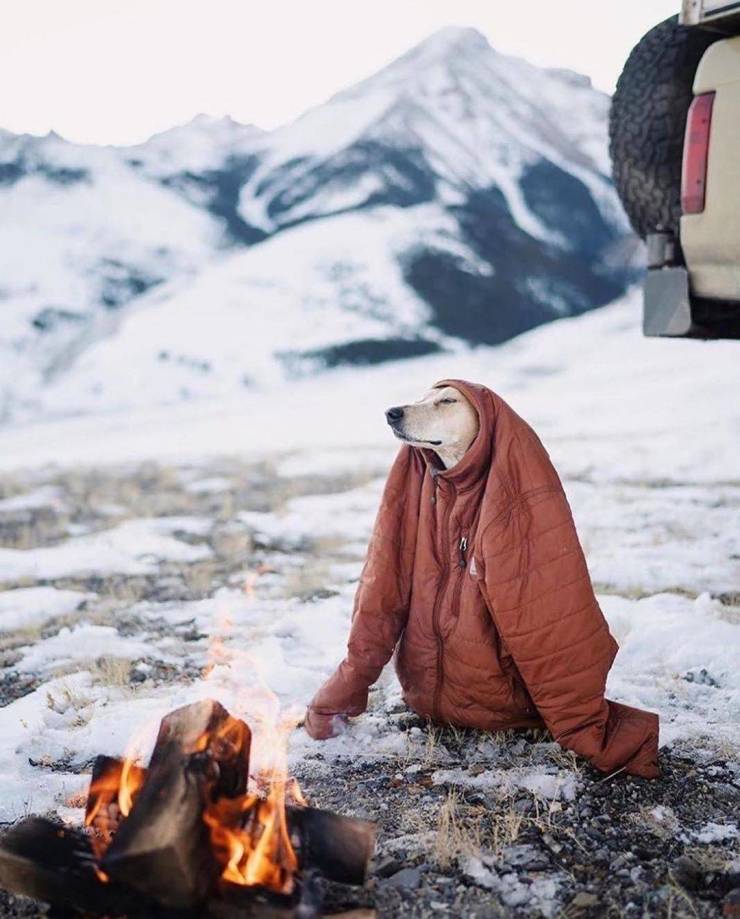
[
  {"x": 666, "y": 303},
  {"x": 670, "y": 309}
]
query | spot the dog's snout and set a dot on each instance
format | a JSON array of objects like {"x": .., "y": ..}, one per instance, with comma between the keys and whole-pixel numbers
[{"x": 394, "y": 414}]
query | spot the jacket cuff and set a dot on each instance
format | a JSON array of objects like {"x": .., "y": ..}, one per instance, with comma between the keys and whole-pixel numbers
[
  {"x": 632, "y": 742},
  {"x": 322, "y": 727},
  {"x": 344, "y": 693}
]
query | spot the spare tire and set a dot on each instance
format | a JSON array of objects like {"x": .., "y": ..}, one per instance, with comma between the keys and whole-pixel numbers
[{"x": 647, "y": 123}]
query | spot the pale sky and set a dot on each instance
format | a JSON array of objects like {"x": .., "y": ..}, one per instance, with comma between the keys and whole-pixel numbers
[{"x": 117, "y": 71}]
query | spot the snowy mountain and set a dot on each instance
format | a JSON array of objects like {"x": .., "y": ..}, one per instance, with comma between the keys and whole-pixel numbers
[{"x": 458, "y": 196}]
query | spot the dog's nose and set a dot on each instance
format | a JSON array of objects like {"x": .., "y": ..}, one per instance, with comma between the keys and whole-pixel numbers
[{"x": 394, "y": 414}]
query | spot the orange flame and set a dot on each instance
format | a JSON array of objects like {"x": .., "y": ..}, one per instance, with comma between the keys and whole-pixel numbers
[
  {"x": 249, "y": 834},
  {"x": 251, "y": 840},
  {"x": 109, "y": 801}
]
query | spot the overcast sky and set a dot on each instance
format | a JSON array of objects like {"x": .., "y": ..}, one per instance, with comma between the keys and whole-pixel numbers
[{"x": 116, "y": 71}]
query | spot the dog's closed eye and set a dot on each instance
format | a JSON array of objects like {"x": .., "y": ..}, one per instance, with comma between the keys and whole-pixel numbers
[{"x": 446, "y": 401}]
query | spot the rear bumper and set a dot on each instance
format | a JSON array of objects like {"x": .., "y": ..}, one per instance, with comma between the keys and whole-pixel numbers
[{"x": 670, "y": 310}]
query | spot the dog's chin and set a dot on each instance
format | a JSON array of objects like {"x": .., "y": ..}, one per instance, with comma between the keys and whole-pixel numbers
[{"x": 413, "y": 440}]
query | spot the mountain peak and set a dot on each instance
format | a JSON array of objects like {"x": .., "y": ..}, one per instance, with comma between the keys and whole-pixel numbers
[
  {"x": 443, "y": 45},
  {"x": 454, "y": 37}
]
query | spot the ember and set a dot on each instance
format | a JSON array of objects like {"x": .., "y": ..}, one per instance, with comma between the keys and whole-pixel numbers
[{"x": 189, "y": 832}]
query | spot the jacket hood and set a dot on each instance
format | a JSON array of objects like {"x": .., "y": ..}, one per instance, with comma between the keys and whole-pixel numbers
[
  {"x": 490, "y": 454},
  {"x": 478, "y": 458}
]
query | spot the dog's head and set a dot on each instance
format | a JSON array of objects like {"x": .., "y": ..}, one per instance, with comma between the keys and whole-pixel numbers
[{"x": 443, "y": 420}]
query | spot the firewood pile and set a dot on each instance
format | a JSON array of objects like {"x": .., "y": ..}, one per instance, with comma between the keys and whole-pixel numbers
[{"x": 189, "y": 835}]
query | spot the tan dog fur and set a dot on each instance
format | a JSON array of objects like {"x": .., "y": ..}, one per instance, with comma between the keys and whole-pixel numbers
[{"x": 442, "y": 420}]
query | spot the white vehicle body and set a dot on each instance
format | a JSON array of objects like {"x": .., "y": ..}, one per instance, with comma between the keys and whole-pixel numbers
[
  {"x": 695, "y": 12},
  {"x": 711, "y": 239}
]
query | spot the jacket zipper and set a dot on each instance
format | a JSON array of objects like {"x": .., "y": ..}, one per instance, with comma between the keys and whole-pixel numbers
[
  {"x": 462, "y": 547},
  {"x": 435, "y": 611}
]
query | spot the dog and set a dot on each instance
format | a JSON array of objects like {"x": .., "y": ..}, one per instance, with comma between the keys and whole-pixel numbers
[
  {"x": 443, "y": 419},
  {"x": 476, "y": 583}
]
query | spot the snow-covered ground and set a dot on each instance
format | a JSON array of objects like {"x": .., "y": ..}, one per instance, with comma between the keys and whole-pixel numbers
[{"x": 212, "y": 549}]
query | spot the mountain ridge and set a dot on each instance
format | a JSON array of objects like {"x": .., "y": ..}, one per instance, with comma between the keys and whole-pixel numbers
[{"x": 478, "y": 199}]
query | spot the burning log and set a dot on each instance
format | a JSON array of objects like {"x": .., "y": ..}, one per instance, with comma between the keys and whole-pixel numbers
[
  {"x": 114, "y": 784},
  {"x": 55, "y": 864},
  {"x": 51, "y": 863},
  {"x": 206, "y": 727},
  {"x": 337, "y": 847},
  {"x": 163, "y": 847}
]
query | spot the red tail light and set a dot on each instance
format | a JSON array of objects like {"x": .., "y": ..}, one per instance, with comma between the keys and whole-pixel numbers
[{"x": 696, "y": 154}]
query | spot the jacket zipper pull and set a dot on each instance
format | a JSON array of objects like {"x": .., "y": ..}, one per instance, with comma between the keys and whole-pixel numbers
[
  {"x": 434, "y": 492},
  {"x": 463, "y": 545}
]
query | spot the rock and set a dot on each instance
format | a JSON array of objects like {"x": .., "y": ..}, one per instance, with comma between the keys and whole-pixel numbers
[
  {"x": 701, "y": 676},
  {"x": 388, "y": 865},
  {"x": 551, "y": 843},
  {"x": 584, "y": 900},
  {"x": 688, "y": 873},
  {"x": 409, "y": 878},
  {"x": 523, "y": 806},
  {"x": 526, "y": 856},
  {"x": 731, "y": 903}
]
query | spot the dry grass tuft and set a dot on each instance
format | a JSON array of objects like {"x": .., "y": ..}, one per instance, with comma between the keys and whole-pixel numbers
[
  {"x": 18, "y": 638},
  {"x": 200, "y": 579},
  {"x": 65, "y": 697},
  {"x": 456, "y": 833},
  {"x": 111, "y": 671}
]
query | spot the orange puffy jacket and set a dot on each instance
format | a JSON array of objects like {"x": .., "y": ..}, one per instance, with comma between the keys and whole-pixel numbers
[{"x": 476, "y": 578}]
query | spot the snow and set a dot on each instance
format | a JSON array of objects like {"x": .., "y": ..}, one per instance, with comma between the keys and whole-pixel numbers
[
  {"x": 132, "y": 239},
  {"x": 698, "y": 523},
  {"x": 717, "y": 832},
  {"x": 129, "y": 223},
  {"x": 538, "y": 895},
  {"x": 479, "y": 116},
  {"x": 131, "y": 547},
  {"x": 342, "y": 514},
  {"x": 196, "y": 146},
  {"x": 550, "y": 785},
  {"x": 210, "y": 486},
  {"x": 27, "y": 607},
  {"x": 611, "y": 406},
  {"x": 80, "y": 644},
  {"x": 47, "y": 496},
  {"x": 344, "y": 284}
]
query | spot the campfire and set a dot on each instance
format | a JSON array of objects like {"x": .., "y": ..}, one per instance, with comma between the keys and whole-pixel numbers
[{"x": 190, "y": 834}]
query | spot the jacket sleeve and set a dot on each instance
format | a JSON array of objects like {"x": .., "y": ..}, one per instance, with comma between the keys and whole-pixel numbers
[
  {"x": 540, "y": 596},
  {"x": 381, "y": 601}
]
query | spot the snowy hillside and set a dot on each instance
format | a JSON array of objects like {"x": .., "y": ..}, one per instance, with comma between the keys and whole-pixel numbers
[
  {"x": 457, "y": 196},
  {"x": 133, "y": 540}
]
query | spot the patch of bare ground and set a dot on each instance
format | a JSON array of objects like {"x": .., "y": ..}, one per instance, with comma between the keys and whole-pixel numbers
[{"x": 620, "y": 847}]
